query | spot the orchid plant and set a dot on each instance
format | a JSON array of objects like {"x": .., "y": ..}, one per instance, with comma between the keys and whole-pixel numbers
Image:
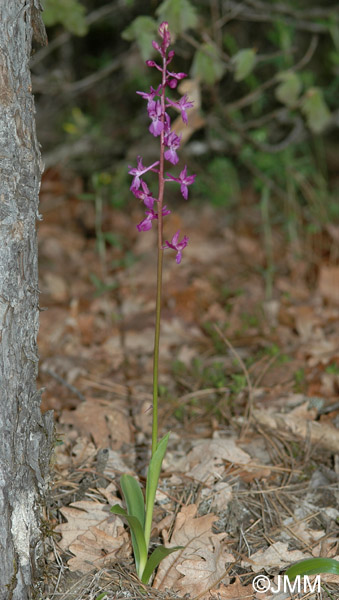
[{"x": 139, "y": 512}]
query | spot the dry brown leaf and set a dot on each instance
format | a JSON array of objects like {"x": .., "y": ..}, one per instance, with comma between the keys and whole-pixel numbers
[
  {"x": 314, "y": 432},
  {"x": 99, "y": 546},
  {"x": 304, "y": 411},
  {"x": 220, "y": 495},
  {"x": 100, "y": 420},
  {"x": 276, "y": 555},
  {"x": 201, "y": 563},
  {"x": 205, "y": 462},
  {"x": 80, "y": 517},
  {"x": 301, "y": 531},
  {"x": 92, "y": 534},
  {"x": 328, "y": 283},
  {"x": 234, "y": 591},
  {"x": 55, "y": 286},
  {"x": 306, "y": 320}
]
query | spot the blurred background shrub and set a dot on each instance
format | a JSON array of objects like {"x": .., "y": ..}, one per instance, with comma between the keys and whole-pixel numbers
[{"x": 264, "y": 76}]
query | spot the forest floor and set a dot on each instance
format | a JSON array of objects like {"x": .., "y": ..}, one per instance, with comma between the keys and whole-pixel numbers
[{"x": 249, "y": 381}]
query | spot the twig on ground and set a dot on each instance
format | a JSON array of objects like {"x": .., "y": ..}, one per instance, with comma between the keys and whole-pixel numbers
[{"x": 65, "y": 383}]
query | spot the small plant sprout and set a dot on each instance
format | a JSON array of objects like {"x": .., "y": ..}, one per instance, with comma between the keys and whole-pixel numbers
[{"x": 139, "y": 511}]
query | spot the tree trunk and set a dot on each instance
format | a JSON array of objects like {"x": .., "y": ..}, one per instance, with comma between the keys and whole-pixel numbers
[{"x": 25, "y": 436}]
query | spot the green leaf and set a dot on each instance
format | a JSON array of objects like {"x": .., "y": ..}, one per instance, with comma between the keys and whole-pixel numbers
[
  {"x": 133, "y": 497},
  {"x": 289, "y": 89},
  {"x": 313, "y": 566},
  {"x": 315, "y": 110},
  {"x": 155, "y": 559},
  {"x": 138, "y": 539},
  {"x": 243, "y": 62},
  {"x": 207, "y": 65},
  {"x": 143, "y": 30},
  {"x": 69, "y": 13},
  {"x": 180, "y": 15},
  {"x": 152, "y": 484}
]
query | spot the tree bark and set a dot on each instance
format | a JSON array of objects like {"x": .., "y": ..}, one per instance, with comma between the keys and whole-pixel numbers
[{"x": 25, "y": 435}]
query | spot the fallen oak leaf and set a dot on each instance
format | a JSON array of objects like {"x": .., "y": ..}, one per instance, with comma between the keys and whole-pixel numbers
[
  {"x": 98, "y": 419},
  {"x": 201, "y": 562},
  {"x": 80, "y": 517},
  {"x": 203, "y": 573},
  {"x": 99, "y": 546},
  {"x": 92, "y": 534},
  {"x": 206, "y": 461},
  {"x": 276, "y": 555},
  {"x": 234, "y": 591},
  {"x": 314, "y": 432}
]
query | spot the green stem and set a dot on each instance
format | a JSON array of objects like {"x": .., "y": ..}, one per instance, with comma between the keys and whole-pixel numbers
[
  {"x": 159, "y": 274},
  {"x": 156, "y": 354}
]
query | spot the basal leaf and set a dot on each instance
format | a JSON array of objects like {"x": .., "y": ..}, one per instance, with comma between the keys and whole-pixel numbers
[
  {"x": 118, "y": 510},
  {"x": 313, "y": 566},
  {"x": 133, "y": 498},
  {"x": 138, "y": 539},
  {"x": 315, "y": 110},
  {"x": 287, "y": 92},
  {"x": 155, "y": 559},
  {"x": 207, "y": 65},
  {"x": 243, "y": 62},
  {"x": 152, "y": 484},
  {"x": 180, "y": 15}
]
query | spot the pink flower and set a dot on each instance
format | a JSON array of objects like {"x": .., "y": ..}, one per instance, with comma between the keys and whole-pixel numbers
[
  {"x": 176, "y": 245},
  {"x": 184, "y": 180},
  {"x": 150, "y": 97},
  {"x": 155, "y": 113},
  {"x": 146, "y": 223},
  {"x": 174, "y": 78},
  {"x": 173, "y": 143},
  {"x": 183, "y": 104},
  {"x": 145, "y": 195},
  {"x": 138, "y": 171}
]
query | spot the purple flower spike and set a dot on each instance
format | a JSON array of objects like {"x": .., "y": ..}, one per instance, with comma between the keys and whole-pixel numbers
[
  {"x": 155, "y": 113},
  {"x": 178, "y": 246},
  {"x": 173, "y": 143},
  {"x": 166, "y": 37},
  {"x": 184, "y": 180},
  {"x": 183, "y": 104},
  {"x": 138, "y": 171},
  {"x": 160, "y": 126}
]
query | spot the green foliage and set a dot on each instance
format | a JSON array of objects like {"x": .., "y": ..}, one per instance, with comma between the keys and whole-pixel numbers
[
  {"x": 287, "y": 92},
  {"x": 219, "y": 184},
  {"x": 299, "y": 379},
  {"x": 207, "y": 66},
  {"x": 332, "y": 369},
  {"x": 313, "y": 566},
  {"x": 142, "y": 30},
  {"x": 180, "y": 15},
  {"x": 244, "y": 62},
  {"x": 69, "y": 13},
  {"x": 139, "y": 514},
  {"x": 238, "y": 383},
  {"x": 316, "y": 110}
]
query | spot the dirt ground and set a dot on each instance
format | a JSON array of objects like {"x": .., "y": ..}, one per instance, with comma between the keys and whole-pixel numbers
[{"x": 249, "y": 380}]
